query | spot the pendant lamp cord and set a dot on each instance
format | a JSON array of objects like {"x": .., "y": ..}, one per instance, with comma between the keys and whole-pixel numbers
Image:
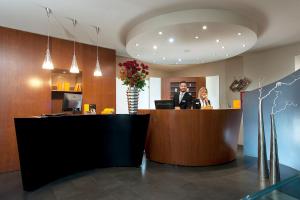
[
  {"x": 74, "y": 24},
  {"x": 48, "y": 10},
  {"x": 97, "y": 30}
]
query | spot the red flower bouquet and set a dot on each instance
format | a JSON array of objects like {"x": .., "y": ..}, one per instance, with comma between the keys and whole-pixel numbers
[{"x": 134, "y": 74}]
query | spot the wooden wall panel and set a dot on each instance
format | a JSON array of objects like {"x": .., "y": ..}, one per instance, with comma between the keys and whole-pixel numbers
[
  {"x": 94, "y": 87},
  {"x": 96, "y": 90},
  {"x": 25, "y": 86}
]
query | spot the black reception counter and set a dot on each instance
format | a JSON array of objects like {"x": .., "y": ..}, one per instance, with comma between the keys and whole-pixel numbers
[{"x": 54, "y": 147}]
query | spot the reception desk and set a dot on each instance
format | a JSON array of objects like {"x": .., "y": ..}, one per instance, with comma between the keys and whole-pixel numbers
[
  {"x": 53, "y": 147},
  {"x": 193, "y": 137}
]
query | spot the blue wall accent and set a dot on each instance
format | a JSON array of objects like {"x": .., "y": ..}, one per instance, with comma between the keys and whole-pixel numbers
[{"x": 287, "y": 122}]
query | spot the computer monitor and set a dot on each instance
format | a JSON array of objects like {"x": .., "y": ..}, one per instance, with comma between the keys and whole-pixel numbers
[
  {"x": 164, "y": 104},
  {"x": 72, "y": 102}
]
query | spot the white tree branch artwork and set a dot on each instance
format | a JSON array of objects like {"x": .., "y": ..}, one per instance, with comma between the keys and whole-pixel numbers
[
  {"x": 277, "y": 93},
  {"x": 263, "y": 170},
  {"x": 287, "y": 104},
  {"x": 274, "y": 159},
  {"x": 278, "y": 84}
]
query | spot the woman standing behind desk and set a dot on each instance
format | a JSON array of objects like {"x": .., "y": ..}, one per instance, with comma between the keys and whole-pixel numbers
[{"x": 203, "y": 99}]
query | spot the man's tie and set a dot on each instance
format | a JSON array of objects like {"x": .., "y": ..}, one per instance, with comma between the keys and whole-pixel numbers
[{"x": 180, "y": 96}]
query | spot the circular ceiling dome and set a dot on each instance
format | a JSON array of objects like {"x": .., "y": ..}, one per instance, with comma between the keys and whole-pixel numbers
[{"x": 191, "y": 37}]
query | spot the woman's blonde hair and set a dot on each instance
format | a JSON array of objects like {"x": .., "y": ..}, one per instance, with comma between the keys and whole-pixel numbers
[{"x": 199, "y": 91}]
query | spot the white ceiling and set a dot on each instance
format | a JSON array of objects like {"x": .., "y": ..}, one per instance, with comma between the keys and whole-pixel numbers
[
  {"x": 278, "y": 20},
  {"x": 191, "y": 37}
]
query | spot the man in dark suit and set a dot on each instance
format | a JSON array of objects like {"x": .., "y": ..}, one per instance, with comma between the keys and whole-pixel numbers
[{"x": 183, "y": 99}]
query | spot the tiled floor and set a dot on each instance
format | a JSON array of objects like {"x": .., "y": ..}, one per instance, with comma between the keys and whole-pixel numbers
[{"x": 152, "y": 181}]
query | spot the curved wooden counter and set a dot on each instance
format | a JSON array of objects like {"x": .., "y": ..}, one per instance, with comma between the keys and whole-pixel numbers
[{"x": 193, "y": 137}]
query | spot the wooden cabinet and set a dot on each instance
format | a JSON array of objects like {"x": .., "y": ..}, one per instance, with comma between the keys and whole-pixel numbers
[
  {"x": 64, "y": 81},
  {"x": 192, "y": 88},
  {"x": 170, "y": 86}
]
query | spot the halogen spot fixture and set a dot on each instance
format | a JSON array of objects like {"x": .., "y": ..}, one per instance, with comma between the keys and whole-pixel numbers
[
  {"x": 171, "y": 40},
  {"x": 47, "y": 64},
  {"x": 74, "y": 67},
  {"x": 97, "y": 71}
]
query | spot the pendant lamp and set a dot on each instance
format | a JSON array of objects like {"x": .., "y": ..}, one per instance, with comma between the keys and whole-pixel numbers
[
  {"x": 47, "y": 64},
  {"x": 97, "y": 71},
  {"x": 74, "y": 67}
]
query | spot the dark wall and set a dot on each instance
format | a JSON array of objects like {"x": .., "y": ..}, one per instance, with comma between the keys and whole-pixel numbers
[
  {"x": 25, "y": 86},
  {"x": 287, "y": 122}
]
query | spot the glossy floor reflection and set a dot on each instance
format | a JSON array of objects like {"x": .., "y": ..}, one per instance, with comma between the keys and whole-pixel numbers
[
  {"x": 287, "y": 189},
  {"x": 152, "y": 181}
]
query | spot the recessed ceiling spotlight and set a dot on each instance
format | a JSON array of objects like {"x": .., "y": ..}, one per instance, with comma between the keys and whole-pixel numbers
[
  {"x": 160, "y": 33},
  {"x": 223, "y": 47},
  {"x": 137, "y": 44},
  {"x": 227, "y": 55},
  {"x": 164, "y": 58},
  {"x": 179, "y": 59},
  {"x": 204, "y": 27},
  {"x": 196, "y": 37},
  {"x": 171, "y": 40},
  {"x": 217, "y": 40},
  {"x": 244, "y": 45},
  {"x": 239, "y": 34},
  {"x": 138, "y": 55},
  {"x": 154, "y": 47}
]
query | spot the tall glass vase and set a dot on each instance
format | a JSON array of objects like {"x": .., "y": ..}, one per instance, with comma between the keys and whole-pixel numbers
[
  {"x": 132, "y": 99},
  {"x": 263, "y": 170},
  {"x": 274, "y": 160}
]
